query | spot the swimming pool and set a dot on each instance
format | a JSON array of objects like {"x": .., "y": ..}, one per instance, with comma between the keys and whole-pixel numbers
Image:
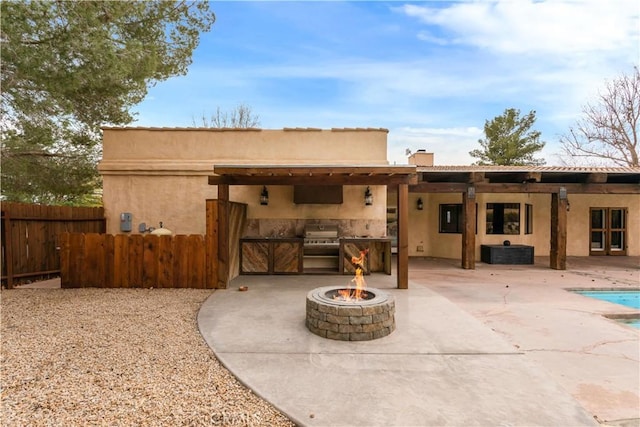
[
  {"x": 626, "y": 298},
  {"x": 635, "y": 323}
]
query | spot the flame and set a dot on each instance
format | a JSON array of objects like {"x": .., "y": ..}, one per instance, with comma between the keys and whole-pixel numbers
[{"x": 361, "y": 286}]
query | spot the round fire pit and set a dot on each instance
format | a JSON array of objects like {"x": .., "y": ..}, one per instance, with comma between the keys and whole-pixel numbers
[{"x": 366, "y": 319}]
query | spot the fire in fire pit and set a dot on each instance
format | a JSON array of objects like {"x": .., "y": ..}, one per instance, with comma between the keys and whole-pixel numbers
[
  {"x": 359, "y": 292},
  {"x": 349, "y": 314}
]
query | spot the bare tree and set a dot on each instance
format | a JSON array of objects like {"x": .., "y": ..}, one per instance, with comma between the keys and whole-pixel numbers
[
  {"x": 609, "y": 129},
  {"x": 240, "y": 117}
]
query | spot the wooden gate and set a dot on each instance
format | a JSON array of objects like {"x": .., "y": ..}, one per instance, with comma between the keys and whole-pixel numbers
[{"x": 30, "y": 237}]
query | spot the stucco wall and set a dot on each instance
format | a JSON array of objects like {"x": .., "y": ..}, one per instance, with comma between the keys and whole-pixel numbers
[
  {"x": 579, "y": 218},
  {"x": 424, "y": 225},
  {"x": 161, "y": 174}
]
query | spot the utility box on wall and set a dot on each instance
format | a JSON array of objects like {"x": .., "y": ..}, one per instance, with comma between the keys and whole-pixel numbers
[{"x": 125, "y": 221}]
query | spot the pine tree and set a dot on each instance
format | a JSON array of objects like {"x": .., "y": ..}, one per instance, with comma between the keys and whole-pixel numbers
[{"x": 509, "y": 141}]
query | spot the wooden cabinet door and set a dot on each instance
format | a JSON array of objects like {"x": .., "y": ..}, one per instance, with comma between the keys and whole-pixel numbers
[
  {"x": 287, "y": 257},
  {"x": 350, "y": 250},
  {"x": 254, "y": 257}
]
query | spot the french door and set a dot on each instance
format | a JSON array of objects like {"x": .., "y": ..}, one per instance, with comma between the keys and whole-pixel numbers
[{"x": 608, "y": 231}]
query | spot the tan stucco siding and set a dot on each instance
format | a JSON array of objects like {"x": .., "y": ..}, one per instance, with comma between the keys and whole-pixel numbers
[
  {"x": 578, "y": 219},
  {"x": 161, "y": 174},
  {"x": 424, "y": 225},
  {"x": 178, "y": 201},
  {"x": 281, "y": 204},
  {"x": 246, "y": 146}
]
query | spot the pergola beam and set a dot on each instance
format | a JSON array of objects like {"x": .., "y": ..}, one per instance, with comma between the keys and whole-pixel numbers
[
  {"x": 316, "y": 170},
  {"x": 459, "y": 187},
  {"x": 314, "y": 179}
]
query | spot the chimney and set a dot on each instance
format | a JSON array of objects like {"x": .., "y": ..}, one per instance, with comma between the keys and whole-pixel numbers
[{"x": 421, "y": 158}]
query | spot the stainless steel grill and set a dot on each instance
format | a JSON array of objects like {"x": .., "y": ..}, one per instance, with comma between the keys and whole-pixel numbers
[
  {"x": 321, "y": 247},
  {"x": 321, "y": 232},
  {"x": 321, "y": 236}
]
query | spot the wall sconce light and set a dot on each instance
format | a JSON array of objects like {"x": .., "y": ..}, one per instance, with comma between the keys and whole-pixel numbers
[
  {"x": 420, "y": 205},
  {"x": 562, "y": 193},
  {"x": 264, "y": 196},
  {"x": 368, "y": 197},
  {"x": 471, "y": 193}
]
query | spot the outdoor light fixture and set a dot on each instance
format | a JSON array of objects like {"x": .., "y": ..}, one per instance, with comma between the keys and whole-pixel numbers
[
  {"x": 368, "y": 197},
  {"x": 420, "y": 205},
  {"x": 264, "y": 196},
  {"x": 471, "y": 193},
  {"x": 562, "y": 193}
]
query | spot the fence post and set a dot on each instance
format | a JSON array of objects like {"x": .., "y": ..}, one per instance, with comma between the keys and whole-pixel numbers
[
  {"x": 65, "y": 280},
  {"x": 8, "y": 248}
]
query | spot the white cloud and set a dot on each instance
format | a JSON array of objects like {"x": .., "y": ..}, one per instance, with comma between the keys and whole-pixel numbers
[
  {"x": 426, "y": 36},
  {"x": 550, "y": 27}
]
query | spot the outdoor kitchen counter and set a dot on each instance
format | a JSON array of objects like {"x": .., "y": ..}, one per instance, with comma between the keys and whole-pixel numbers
[
  {"x": 378, "y": 257},
  {"x": 271, "y": 255}
]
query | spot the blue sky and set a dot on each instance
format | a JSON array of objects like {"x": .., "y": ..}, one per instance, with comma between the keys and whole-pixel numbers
[{"x": 431, "y": 72}]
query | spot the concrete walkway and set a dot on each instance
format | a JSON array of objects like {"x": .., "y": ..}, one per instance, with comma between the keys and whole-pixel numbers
[{"x": 443, "y": 366}]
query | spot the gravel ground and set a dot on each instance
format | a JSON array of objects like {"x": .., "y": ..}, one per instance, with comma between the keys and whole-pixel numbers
[{"x": 116, "y": 357}]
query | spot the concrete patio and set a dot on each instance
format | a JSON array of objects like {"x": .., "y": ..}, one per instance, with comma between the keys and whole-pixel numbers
[{"x": 498, "y": 345}]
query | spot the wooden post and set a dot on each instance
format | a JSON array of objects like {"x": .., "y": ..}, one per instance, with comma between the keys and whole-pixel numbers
[
  {"x": 65, "y": 263},
  {"x": 469, "y": 229},
  {"x": 211, "y": 242},
  {"x": 403, "y": 236},
  {"x": 558, "y": 256},
  {"x": 8, "y": 248},
  {"x": 223, "y": 236}
]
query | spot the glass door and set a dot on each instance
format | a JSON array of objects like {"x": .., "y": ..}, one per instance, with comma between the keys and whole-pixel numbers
[
  {"x": 617, "y": 231},
  {"x": 608, "y": 231},
  {"x": 598, "y": 231}
]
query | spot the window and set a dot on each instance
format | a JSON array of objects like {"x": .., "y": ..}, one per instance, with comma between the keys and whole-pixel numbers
[
  {"x": 451, "y": 218},
  {"x": 528, "y": 219},
  {"x": 503, "y": 218}
]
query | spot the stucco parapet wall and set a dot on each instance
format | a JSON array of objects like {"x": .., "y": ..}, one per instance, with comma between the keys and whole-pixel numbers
[
  {"x": 240, "y": 146},
  {"x": 200, "y": 129}
]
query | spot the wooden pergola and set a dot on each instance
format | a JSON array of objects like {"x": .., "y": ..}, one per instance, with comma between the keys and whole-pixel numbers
[
  {"x": 559, "y": 182},
  {"x": 399, "y": 176}
]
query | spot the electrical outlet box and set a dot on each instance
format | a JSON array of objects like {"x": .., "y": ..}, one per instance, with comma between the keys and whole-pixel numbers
[
  {"x": 125, "y": 221},
  {"x": 420, "y": 248}
]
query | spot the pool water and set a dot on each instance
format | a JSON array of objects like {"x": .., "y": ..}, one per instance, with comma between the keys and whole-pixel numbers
[
  {"x": 626, "y": 298},
  {"x": 635, "y": 323}
]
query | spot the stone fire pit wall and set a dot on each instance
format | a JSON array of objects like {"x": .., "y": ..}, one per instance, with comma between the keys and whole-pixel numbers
[{"x": 350, "y": 321}]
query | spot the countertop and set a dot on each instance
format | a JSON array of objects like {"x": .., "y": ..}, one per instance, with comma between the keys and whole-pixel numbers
[
  {"x": 368, "y": 239},
  {"x": 261, "y": 238}
]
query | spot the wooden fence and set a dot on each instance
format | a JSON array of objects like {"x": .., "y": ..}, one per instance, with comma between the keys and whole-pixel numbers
[
  {"x": 137, "y": 261},
  {"x": 30, "y": 237},
  {"x": 151, "y": 261}
]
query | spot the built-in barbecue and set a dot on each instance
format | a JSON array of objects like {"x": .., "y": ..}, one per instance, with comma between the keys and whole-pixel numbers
[{"x": 321, "y": 249}]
